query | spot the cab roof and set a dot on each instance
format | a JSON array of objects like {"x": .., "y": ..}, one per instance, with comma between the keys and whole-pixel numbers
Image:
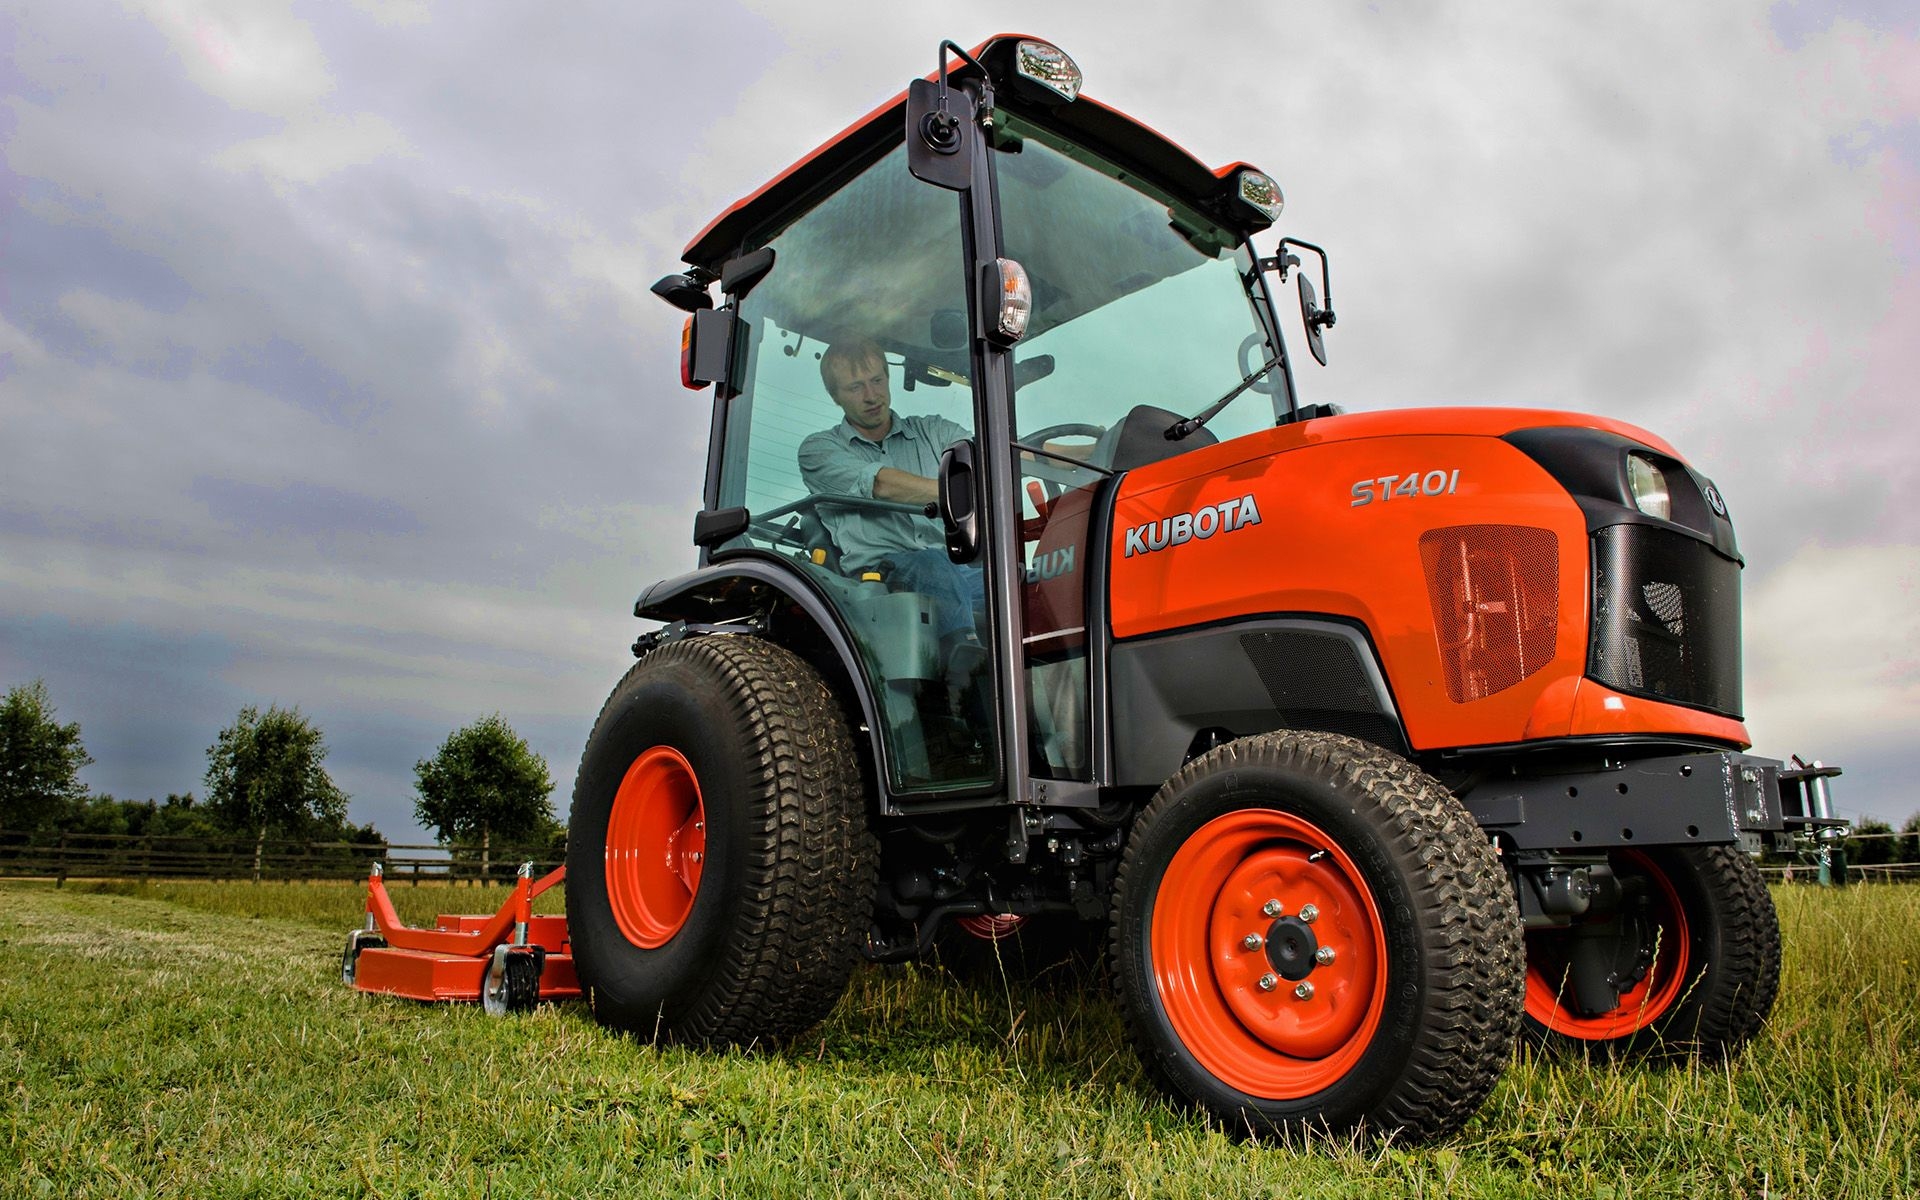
[{"x": 1105, "y": 131}]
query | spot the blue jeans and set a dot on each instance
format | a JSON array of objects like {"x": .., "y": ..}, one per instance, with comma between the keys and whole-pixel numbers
[{"x": 957, "y": 591}]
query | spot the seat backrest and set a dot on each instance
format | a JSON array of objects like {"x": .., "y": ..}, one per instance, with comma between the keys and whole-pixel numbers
[
  {"x": 818, "y": 537},
  {"x": 1141, "y": 438}
]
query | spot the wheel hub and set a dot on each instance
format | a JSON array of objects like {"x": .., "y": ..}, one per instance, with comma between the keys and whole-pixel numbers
[{"x": 1291, "y": 947}]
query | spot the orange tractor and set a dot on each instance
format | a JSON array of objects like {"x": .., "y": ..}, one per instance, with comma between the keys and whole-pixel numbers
[{"x": 1035, "y": 612}]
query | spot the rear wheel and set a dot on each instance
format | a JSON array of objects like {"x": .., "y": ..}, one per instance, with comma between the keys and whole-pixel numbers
[
  {"x": 1687, "y": 960},
  {"x": 719, "y": 868},
  {"x": 1044, "y": 948},
  {"x": 1311, "y": 934}
]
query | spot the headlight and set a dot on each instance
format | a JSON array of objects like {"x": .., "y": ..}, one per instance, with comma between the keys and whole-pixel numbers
[
  {"x": 1048, "y": 66},
  {"x": 1261, "y": 193},
  {"x": 1649, "y": 488}
]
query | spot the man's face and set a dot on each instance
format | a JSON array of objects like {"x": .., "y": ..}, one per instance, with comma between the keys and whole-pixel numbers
[{"x": 860, "y": 389}]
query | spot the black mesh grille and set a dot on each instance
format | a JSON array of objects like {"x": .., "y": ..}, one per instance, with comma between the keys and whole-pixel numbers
[{"x": 1666, "y": 618}]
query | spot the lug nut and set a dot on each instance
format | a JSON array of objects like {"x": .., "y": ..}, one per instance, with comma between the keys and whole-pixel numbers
[
  {"x": 1304, "y": 991},
  {"x": 694, "y": 856},
  {"x": 1272, "y": 908},
  {"x": 1323, "y": 955},
  {"x": 1269, "y": 981},
  {"x": 1251, "y": 941},
  {"x": 1309, "y": 914}
]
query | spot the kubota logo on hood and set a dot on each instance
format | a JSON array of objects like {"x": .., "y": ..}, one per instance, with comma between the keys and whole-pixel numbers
[{"x": 1201, "y": 523}]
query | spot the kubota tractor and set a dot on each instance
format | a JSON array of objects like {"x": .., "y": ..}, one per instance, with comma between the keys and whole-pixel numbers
[{"x": 1357, "y": 743}]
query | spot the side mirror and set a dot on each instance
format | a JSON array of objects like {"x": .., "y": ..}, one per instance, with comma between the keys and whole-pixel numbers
[
  {"x": 959, "y": 512},
  {"x": 939, "y": 134},
  {"x": 1314, "y": 318}
]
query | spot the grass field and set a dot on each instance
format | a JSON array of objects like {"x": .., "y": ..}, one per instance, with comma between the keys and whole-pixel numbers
[{"x": 195, "y": 1040}]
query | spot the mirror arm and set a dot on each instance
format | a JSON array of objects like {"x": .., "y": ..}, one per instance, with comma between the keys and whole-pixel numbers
[
  {"x": 1324, "y": 318},
  {"x": 986, "y": 81}
]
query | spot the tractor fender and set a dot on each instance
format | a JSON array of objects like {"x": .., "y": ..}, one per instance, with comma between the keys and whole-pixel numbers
[{"x": 772, "y": 600}]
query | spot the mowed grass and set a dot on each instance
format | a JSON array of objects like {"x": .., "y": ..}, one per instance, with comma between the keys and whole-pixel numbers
[{"x": 195, "y": 1040}]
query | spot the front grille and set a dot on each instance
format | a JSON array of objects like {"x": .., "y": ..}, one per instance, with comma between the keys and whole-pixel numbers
[{"x": 1666, "y": 618}]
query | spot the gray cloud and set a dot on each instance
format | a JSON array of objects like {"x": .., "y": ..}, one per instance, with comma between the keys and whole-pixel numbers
[{"x": 328, "y": 373}]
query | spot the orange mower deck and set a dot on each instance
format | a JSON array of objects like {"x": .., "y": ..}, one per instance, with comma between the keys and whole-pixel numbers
[{"x": 507, "y": 961}]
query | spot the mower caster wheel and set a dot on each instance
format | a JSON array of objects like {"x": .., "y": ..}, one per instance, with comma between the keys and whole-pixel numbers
[
  {"x": 357, "y": 940},
  {"x": 513, "y": 980}
]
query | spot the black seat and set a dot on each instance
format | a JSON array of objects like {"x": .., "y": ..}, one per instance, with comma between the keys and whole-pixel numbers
[{"x": 1141, "y": 438}]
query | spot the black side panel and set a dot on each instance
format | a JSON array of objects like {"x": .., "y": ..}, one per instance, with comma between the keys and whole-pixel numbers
[{"x": 1245, "y": 678}]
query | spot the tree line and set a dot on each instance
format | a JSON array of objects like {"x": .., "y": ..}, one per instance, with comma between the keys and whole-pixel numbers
[{"x": 266, "y": 778}]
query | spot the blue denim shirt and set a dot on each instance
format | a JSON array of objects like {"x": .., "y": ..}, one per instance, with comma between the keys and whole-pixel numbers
[{"x": 841, "y": 461}]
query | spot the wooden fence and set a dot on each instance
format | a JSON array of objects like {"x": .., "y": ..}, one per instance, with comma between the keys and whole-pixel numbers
[{"x": 64, "y": 856}]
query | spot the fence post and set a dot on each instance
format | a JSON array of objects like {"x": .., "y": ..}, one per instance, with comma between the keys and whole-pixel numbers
[{"x": 60, "y": 863}]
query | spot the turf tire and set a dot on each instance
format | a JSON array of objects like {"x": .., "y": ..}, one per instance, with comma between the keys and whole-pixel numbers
[
  {"x": 1722, "y": 993},
  {"x": 772, "y": 932},
  {"x": 1444, "y": 941}
]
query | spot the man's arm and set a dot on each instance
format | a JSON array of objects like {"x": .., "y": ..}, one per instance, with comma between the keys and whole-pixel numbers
[
  {"x": 826, "y": 465},
  {"x": 894, "y": 484}
]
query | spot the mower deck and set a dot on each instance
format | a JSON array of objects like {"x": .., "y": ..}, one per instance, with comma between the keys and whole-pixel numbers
[{"x": 507, "y": 960}]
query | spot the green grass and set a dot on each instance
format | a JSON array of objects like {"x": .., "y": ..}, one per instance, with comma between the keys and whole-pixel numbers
[{"x": 195, "y": 1040}]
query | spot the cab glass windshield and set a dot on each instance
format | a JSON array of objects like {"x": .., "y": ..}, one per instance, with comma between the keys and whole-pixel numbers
[{"x": 1137, "y": 300}]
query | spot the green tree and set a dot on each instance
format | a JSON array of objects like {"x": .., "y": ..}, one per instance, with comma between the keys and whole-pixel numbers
[
  {"x": 40, "y": 760},
  {"x": 1910, "y": 840},
  {"x": 264, "y": 774},
  {"x": 484, "y": 780},
  {"x": 1873, "y": 844}
]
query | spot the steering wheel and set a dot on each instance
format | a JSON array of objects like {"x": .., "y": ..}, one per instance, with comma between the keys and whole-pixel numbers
[
  {"x": 1040, "y": 437},
  {"x": 1252, "y": 342},
  {"x": 1044, "y": 488}
]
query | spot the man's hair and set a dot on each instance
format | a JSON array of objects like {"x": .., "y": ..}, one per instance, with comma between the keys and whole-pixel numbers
[{"x": 854, "y": 352}]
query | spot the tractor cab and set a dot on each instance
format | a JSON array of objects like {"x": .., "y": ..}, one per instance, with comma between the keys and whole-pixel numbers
[{"x": 1037, "y": 293}]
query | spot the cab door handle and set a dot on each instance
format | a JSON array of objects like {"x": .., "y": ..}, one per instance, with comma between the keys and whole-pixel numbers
[{"x": 959, "y": 503}]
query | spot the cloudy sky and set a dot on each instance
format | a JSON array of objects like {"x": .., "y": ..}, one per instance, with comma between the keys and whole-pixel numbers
[{"x": 328, "y": 374}]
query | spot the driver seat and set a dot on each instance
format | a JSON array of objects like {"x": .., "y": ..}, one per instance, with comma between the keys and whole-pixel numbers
[{"x": 1140, "y": 438}]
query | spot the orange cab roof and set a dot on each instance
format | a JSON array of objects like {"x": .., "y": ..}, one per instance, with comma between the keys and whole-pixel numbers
[{"x": 1088, "y": 122}]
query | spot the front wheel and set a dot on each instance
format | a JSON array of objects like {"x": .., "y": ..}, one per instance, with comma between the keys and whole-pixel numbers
[
  {"x": 720, "y": 872},
  {"x": 1310, "y": 934},
  {"x": 1687, "y": 959}
]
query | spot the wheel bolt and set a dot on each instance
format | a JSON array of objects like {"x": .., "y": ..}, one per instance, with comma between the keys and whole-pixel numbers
[
  {"x": 1304, "y": 991},
  {"x": 1323, "y": 955},
  {"x": 693, "y": 856},
  {"x": 1251, "y": 941},
  {"x": 1269, "y": 981},
  {"x": 1309, "y": 914},
  {"x": 1272, "y": 908}
]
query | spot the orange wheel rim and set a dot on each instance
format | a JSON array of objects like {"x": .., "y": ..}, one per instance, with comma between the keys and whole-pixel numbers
[
  {"x": 1640, "y": 1005},
  {"x": 991, "y": 927},
  {"x": 1257, "y": 1029},
  {"x": 656, "y": 847}
]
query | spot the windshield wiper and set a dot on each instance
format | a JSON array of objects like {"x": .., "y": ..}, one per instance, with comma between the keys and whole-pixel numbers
[{"x": 1180, "y": 429}]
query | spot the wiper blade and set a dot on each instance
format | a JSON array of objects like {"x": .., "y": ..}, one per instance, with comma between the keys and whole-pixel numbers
[{"x": 1180, "y": 429}]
